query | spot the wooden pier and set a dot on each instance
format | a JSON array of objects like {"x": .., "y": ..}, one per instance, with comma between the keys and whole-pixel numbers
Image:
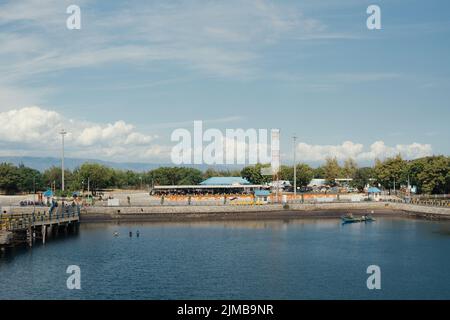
[{"x": 19, "y": 229}]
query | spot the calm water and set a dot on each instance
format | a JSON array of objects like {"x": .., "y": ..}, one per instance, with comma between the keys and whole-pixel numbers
[{"x": 297, "y": 259}]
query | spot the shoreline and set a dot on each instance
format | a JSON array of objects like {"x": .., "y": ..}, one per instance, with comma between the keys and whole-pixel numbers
[
  {"x": 181, "y": 213},
  {"x": 250, "y": 216}
]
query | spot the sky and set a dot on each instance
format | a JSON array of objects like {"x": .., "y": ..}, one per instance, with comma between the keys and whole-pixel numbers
[{"x": 138, "y": 70}]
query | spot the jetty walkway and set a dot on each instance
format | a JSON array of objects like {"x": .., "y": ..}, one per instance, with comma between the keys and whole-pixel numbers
[{"x": 27, "y": 227}]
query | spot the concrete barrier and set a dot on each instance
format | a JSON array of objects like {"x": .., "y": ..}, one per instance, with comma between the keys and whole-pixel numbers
[{"x": 117, "y": 212}]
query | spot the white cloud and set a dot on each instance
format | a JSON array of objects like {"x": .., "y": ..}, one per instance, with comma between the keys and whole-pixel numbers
[
  {"x": 34, "y": 129},
  {"x": 29, "y": 125},
  {"x": 215, "y": 37},
  {"x": 357, "y": 151}
]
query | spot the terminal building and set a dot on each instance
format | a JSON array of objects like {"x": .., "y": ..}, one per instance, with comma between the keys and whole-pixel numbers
[{"x": 214, "y": 185}]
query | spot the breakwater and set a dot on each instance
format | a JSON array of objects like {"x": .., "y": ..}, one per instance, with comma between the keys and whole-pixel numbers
[
  {"x": 267, "y": 211},
  {"x": 185, "y": 212}
]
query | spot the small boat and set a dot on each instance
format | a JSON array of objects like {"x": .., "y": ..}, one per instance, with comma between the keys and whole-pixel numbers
[
  {"x": 368, "y": 218},
  {"x": 350, "y": 219}
]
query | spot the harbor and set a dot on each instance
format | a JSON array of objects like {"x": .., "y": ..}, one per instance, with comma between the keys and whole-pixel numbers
[{"x": 309, "y": 258}]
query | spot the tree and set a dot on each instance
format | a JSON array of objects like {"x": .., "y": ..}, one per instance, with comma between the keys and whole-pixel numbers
[
  {"x": 190, "y": 176},
  {"x": 9, "y": 178},
  {"x": 100, "y": 177},
  {"x": 30, "y": 180},
  {"x": 362, "y": 177},
  {"x": 253, "y": 174},
  {"x": 350, "y": 168},
  {"x": 53, "y": 175},
  {"x": 319, "y": 173},
  {"x": 332, "y": 170},
  {"x": 435, "y": 175},
  {"x": 304, "y": 174},
  {"x": 391, "y": 171},
  {"x": 287, "y": 173},
  {"x": 174, "y": 176}
]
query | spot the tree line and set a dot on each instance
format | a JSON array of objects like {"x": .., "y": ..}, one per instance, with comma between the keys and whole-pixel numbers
[
  {"x": 431, "y": 175},
  {"x": 21, "y": 179}
]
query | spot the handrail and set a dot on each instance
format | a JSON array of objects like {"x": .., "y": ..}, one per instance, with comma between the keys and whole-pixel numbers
[{"x": 14, "y": 221}]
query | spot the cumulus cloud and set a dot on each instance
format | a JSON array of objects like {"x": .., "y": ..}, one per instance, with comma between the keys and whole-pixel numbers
[
  {"x": 36, "y": 128},
  {"x": 357, "y": 151},
  {"x": 29, "y": 125},
  {"x": 117, "y": 132}
]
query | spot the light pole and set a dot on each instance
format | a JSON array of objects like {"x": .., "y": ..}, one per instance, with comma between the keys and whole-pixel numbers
[
  {"x": 295, "y": 168},
  {"x": 62, "y": 133},
  {"x": 34, "y": 194}
]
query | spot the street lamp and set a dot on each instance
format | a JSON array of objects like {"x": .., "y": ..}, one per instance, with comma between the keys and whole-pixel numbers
[
  {"x": 295, "y": 168},
  {"x": 34, "y": 194},
  {"x": 62, "y": 133}
]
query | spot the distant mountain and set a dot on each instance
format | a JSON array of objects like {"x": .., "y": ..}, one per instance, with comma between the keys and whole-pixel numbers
[{"x": 43, "y": 163}]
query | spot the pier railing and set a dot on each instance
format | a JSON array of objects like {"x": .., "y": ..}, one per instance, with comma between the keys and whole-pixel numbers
[{"x": 18, "y": 221}]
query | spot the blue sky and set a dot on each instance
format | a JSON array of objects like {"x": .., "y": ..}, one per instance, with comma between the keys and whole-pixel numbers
[{"x": 137, "y": 70}]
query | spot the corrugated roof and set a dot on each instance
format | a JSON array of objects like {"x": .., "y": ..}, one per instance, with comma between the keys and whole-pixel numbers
[
  {"x": 225, "y": 181},
  {"x": 262, "y": 193},
  {"x": 374, "y": 190},
  {"x": 48, "y": 193}
]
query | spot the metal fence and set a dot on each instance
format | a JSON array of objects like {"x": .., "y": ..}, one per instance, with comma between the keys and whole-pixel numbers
[{"x": 14, "y": 221}]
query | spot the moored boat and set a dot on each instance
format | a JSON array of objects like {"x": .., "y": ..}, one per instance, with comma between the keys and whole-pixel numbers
[{"x": 350, "y": 219}]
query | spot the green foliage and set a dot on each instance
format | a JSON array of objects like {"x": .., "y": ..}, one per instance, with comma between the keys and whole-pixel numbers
[
  {"x": 253, "y": 174},
  {"x": 304, "y": 174},
  {"x": 391, "y": 171},
  {"x": 19, "y": 179},
  {"x": 319, "y": 173},
  {"x": 434, "y": 178},
  {"x": 332, "y": 171},
  {"x": 210, "y": 172},
  {"x": 100, "y": 177},
  {"x": 53, "y": 176},
  {"x": 174, "y": 176},
  {"x": 9, "y": 178},
  {"x": 431, "y": 175},
  {"x": 362, "y": 177},
  {"x": 350, "y": 168},
  {"x": 29, "y": 179}
]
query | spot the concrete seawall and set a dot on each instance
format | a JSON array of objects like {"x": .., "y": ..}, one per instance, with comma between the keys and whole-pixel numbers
[
  {"x": 155, "y": 213},
  {"x": 180, "y": 213}
]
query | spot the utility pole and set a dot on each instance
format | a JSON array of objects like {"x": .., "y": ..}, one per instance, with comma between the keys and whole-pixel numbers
[
  {"x": 295, "y": 168},
  {"x": 62, "y": 133},
  {"x": 394, "y": 186},
  {"x": 34, "y": 194}
]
